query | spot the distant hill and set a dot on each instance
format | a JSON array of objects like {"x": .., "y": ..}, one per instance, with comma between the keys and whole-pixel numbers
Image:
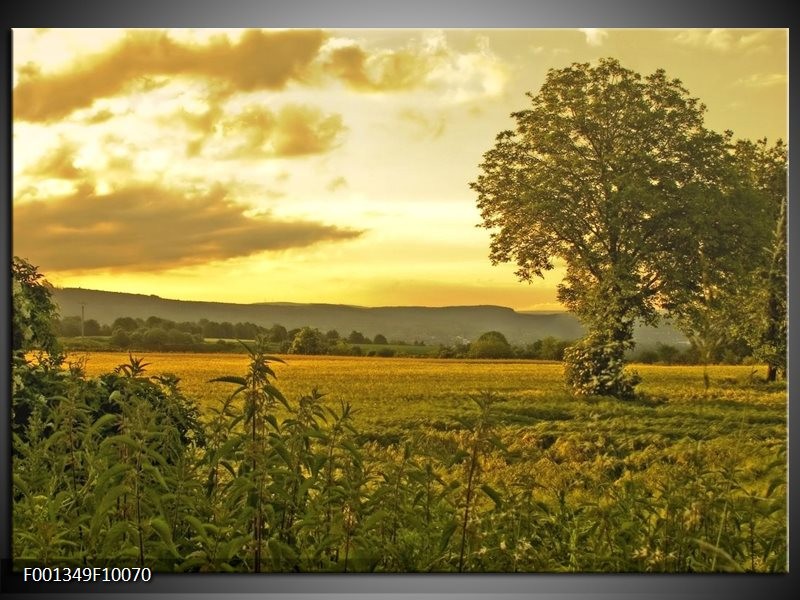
[{"x": 434, "y": 325}]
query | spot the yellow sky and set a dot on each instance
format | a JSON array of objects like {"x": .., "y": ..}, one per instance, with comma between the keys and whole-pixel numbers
[{"x": 312, "y": 166}]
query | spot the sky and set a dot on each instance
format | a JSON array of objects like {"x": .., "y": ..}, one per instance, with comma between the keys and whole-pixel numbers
[{"x": 312, "y": 165}]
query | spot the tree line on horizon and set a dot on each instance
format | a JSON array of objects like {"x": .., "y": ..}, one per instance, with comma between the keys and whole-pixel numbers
[{"x": 159, "y": 334}]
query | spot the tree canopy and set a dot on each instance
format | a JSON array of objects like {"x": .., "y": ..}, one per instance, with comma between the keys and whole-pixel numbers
[
  {"x": 491, "y": 344},
  {"x": 605, "y": 173},
  {"x": 33, "y": 310}
]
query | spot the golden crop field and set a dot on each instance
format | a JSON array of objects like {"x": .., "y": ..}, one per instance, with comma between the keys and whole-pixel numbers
[{"x": 371, "y": 382}]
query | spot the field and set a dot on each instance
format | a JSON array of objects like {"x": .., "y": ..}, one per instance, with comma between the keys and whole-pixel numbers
[
  {"x": 684, "y": 478},
  {"x": 402, "y": 393}
]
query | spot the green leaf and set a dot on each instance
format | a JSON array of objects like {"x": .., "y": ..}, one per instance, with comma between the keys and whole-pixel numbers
[
  {"x": 271, "y": 358},
  {"x": 493, "y": 494},
  {"x": 122, "y": 439},
  {"x": 281, "y": 551},
  {"x": 20, "y": 483},
  {"x": 774, "y": 484},
  {"x": 147, "y": 468},
  {"x": 162, "y": 529},
  {"x": 374, "y": 519},
  {"x": 275, "y": 393},
  {"x": 101, "y": 512},
  {"x": 720, "y": 553},
  {"x": 102, "y": 422},
  {"x": 447, "y": 533},
  {"x": 233, "y": 547},
  {"x": 241, "y": 381},
  {"x": 111, "y": 473},
  {"x": 272, "y": 421}
]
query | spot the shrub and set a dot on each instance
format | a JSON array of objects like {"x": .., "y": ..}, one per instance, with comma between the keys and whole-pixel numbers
[
  {"x": 595, "y": 366},
  {"x": 309, "y": 341},
  {"x": 491, "y": 344},
  {"x": 33, "y": 311}
]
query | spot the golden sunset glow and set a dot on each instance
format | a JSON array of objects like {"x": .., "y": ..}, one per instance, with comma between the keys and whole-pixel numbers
[{"x": 312, "y": 166}]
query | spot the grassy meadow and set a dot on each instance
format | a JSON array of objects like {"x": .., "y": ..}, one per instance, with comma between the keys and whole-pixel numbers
[{"x": 683, "y": 478}]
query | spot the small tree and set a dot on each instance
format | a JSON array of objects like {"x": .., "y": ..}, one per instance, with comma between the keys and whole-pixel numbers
[
  {"x": 277, "y": 333},
  {"x": 91, "y": 327},
  {"x": 33, "y": 311},
  {"x": 356, "y": 337},
  {"x": 121, "y": 338},
  {"x": 491, "y": 344},
  {"x": 309, "y": 341},
  {"x": 69, "y": 327},
  {"x": 125, "y": 323},
  {"x": 380, "y": 339}
]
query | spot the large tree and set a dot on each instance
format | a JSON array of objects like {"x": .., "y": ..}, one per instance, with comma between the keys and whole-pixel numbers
[
  {"x": 740, "y": 260},
  {"x": 764, "y": 322},
  {"x": 603, "y": 173}
]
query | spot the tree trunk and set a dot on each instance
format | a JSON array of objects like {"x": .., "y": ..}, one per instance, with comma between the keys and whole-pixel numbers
[{"x": 772, "y": 373}]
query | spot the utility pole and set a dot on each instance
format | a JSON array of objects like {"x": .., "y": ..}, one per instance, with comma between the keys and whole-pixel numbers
[{"x": 83, "y": 306}]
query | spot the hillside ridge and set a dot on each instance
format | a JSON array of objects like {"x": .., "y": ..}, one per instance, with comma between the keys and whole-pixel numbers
[{"x": 437, "y": 325}]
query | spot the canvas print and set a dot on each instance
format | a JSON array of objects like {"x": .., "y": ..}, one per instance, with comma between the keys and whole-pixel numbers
[{"x": 392, "y": 300}]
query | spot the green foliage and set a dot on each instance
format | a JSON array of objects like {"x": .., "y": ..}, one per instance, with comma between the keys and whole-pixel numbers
[
  {"x": 356, "y": 337},
  {"x": 101, "y": 470},
  {"x": 737, "y": 296},
  {"x": 309, "y": 341},
  {"x": 491, "y": 344},
  {"x": 122, "y": 469},
  {"x": 597, "y": 175},
  {"x": 33, "y": 311},
  {"x": 595, "y": 366}
]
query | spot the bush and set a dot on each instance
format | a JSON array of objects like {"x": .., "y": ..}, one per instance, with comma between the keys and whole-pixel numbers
[
  {"x": 33, "y": 311},
  {"x": 595, "y": 366},
  {"x": 309, "y": 341},
  {"x": 647, "y": 357},
  {"x": 120, "y": 338},
  {"x": 491, "y": 344}
]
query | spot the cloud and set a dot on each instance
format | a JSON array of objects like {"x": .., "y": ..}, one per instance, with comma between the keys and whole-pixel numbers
[
  {"x": 716, "y": 39},
  {"x": 259, "y": 60},
  {"x": 258, "y": 132},
  {"x": 460, "y": 77},
  {"x": 58, "y": 163},
  {"x": 762, "y": 80},
  {"x": 723, "y": 40},
  {"x": 429, "y": 64},
  {"x": 594, "y": 37},
  {"x": 143, "y": 61},
  {"x": 101, "y": 116},
  {"x": 426, "y": 127},
  {"x": 382, "y": 71},
  {"x": 337, "y": 183},
  {"x": 148, "y": 228}
]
